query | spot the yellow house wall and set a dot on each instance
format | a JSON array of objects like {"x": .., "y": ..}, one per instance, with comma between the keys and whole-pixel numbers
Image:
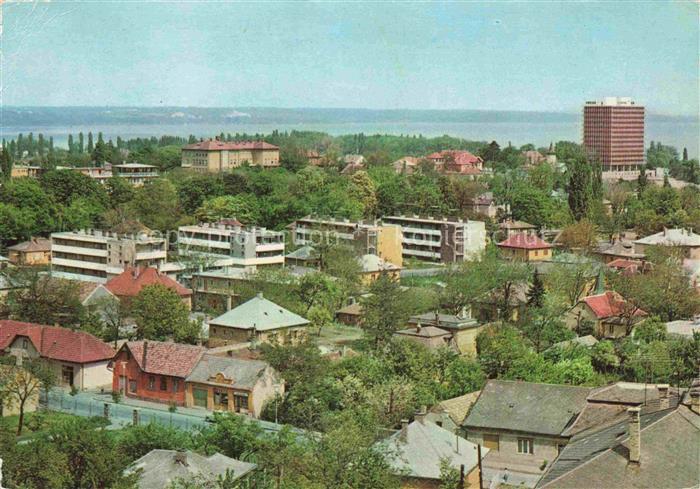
[
  {"x": 389, "y": 244},
  {"x": 466, "y": 340}
]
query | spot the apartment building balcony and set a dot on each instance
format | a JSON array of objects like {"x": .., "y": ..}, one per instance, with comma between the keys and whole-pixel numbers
[
  {"x": 419, "y": 230},
  {"x": 421, "y": 253},
  {"x": 204, "y": 243},
  {"x": 261, "y": 248},
  {"x": 151, "y": 255},
  {"x": 421, "y": 242},
  {"x": 87, "y": 265},
  {"x": 79, "y": 250}
]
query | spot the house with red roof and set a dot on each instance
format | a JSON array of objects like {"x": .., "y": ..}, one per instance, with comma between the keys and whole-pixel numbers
[
  {"x": 129, "y": 283},
  {"x": 154, "y": 370},
  {"x": 215, "y": 156},
  {"x": 457, "y": 162},
  {"x": 525, "y": 247},
  {"x": 608, "y": 313},
  {"x": 625, "y": 266},
  {"x": 79, "y": 359}
]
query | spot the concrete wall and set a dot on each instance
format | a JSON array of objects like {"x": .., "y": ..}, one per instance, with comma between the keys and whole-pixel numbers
[{"x": 96, "y": 375}]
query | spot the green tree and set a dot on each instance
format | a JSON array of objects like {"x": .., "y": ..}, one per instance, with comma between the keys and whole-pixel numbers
[
  {"x": 20, "y": 383},
  {"x": 136, "y": 441},
  {"x": 160, "y": 314},
  {"x": 44, "y": 300},
  {"x": 384, "y": 310},
  {"x": 240, "y": 207},
  {"x": 156, "y": 205},
  {"x": 362, "y": 188},
  {"x": 450, "y": 477},
  {"x": 580, "y": 186},
  {"x": 5, "y": 163},
  {"x": 535, "y": 296},
  {"x": 92, "y": 458}
]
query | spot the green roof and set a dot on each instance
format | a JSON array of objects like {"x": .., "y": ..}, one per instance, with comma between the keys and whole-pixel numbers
[{"x": 260, "y": 314}]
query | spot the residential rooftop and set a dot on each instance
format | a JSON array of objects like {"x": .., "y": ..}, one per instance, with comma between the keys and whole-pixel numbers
[
  {"x": 526, "y": 407},
  {"x": 259, "y": 314}
]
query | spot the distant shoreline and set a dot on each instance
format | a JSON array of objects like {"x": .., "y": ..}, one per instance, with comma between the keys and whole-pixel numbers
[{"x": 539, "y": 128}]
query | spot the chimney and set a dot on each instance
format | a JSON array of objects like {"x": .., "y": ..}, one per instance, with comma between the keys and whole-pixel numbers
[
  {"x": 181, "y": 458},
  {"x": 663, "y": 395},
  {"x": 145, "y": 352},
  {"x": 403, "y": 434},
  {"x": 635, "y": 440},
  {"x": 420, "y": 415},
  {"x": 695, "y": 401}
]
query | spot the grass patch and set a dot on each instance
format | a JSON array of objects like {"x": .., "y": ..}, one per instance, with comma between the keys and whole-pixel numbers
[
  {"x": 339, "y": 334},
  {"x": 40, "y": 421}
]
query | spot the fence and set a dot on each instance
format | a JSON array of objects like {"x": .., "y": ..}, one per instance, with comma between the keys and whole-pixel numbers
[{"x": 86, "y": 404}]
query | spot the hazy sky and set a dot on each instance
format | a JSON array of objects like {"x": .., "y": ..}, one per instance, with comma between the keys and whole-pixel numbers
[{"x": 524, "y": 56}]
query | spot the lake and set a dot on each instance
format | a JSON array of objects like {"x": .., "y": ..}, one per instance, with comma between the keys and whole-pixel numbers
[{"x": 680, "y": 132}]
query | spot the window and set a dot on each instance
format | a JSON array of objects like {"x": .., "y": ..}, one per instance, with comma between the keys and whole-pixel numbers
[
  {"x": 67, "y": 374},
  {"x": 221, "y": 398},
  {"x": 25, "y": 344},
  {"x": 152, "y": 383},
  {"x": 132, "y": 386},
  {"x": 240, "y": 402},
  {"x": 491, "y": 442},
  {"x": 175, "y": 383},
  {"x": 163, "y": 384},
  {"x": 525, "y": 445}
]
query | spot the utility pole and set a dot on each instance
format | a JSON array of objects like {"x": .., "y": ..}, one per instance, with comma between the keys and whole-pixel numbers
[{"x": 478, "y": 457}]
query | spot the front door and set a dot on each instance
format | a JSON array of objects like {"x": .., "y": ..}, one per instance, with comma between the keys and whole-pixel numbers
[
  {"x": 122, "y": 383},
  {"x": 67, "y": 375},
  {"x": 200, "y": 397}
]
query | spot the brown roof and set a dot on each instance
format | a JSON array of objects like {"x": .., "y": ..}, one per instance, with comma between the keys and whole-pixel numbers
[
  {"x": 458, "y": 407},
  {"x": 524, "y": 241},
  {"x": 130, "y": 282},
  {"x": 34, "y": 244},
  {"x": 216, "y": 145},
  {"x": 164, "y": 358},
  {"x": 56, "y": 343}
]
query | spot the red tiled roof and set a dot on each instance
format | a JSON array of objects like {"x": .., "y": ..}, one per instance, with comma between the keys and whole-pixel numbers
[
  {"x": 173, "y": 359},
  {"x": 130, "y": 282},
  {"x": 621, "y": 263},
  {"x": 459, "y": 157},
  {"x": 524, "y": 241},
  {"x": 216, "y": 145},
  {"x": 608, "y": 304},
  {"x": 56, "y": 343}
]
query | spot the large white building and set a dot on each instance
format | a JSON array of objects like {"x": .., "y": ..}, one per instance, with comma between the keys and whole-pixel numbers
[
  {"x": 439, "y": 240},
  {"x": 96, "y": 256},
  {"x": 230, "y": 244}
]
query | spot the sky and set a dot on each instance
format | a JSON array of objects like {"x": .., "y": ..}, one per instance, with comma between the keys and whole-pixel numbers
[{"x": 542, "y": 56}]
